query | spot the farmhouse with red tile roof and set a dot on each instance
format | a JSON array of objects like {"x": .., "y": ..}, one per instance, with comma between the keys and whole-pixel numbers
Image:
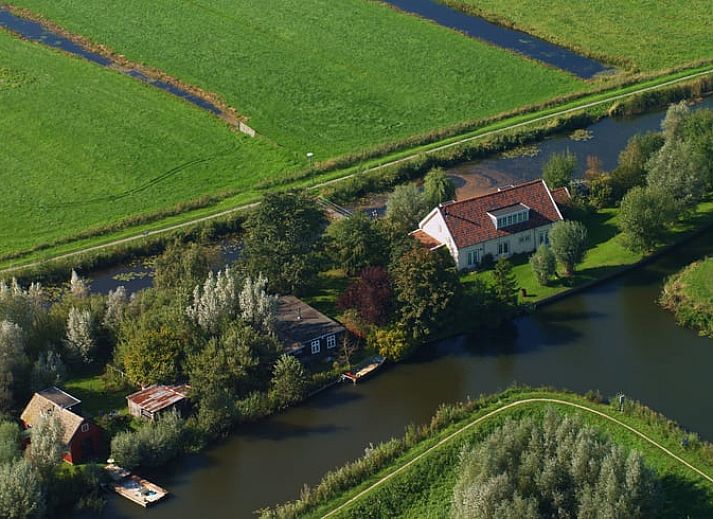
[{"x": 510, "y": 221}]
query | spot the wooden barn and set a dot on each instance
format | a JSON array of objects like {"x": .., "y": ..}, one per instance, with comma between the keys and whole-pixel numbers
[{"x": 82, "y": 438}]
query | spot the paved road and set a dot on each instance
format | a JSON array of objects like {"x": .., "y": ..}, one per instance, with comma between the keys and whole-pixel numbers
[
  {"x": 436, "y": 149},
  {"x": 501, "y": 410}
]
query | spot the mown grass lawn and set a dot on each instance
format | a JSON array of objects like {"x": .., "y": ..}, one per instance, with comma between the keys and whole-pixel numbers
[
  {"x": 80, "y": 146},
  {"x": 640, "y": 34},
  {"x": 317, "y": 75},
  {"x": 605, "y": 256},
  {"x": 425, "y": 488},
  {"x": 96, "y": 397}
]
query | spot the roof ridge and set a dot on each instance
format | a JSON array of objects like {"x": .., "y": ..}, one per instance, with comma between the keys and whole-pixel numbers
[{"x": 479, "y": 197}]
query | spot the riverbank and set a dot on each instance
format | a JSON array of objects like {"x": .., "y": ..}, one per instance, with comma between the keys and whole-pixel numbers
[
  {"x": 689, "y": 295},
  {"x": 414, "y": 475}
]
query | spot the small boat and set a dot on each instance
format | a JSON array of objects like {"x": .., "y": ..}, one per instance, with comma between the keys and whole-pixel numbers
[
  {"x": 364, "y": 369},
  {"x": 133, "y": 487}
]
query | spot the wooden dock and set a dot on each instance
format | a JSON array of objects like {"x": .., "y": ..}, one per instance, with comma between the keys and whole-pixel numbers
[
  {"x": 134, "y": 488},
  {"x": 364, "y": 369}
]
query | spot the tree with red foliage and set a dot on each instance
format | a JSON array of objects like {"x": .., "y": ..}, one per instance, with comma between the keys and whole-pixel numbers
[{"x": 370, "y": 295}]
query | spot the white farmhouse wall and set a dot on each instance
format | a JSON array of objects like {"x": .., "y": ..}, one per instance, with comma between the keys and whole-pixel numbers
[{"x": 435, "y": 226}]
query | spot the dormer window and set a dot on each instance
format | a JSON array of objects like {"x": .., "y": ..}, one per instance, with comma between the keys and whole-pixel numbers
[{"x": 507, "y": 216}]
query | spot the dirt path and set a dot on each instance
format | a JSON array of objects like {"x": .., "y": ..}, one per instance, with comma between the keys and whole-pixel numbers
[
  {"x": 458, "y": 142},
  {"x": 501, "y": 410}
]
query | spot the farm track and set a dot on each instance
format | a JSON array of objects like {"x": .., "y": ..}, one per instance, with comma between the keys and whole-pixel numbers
[
  {"x": 499, "y": 411},
  {"x": 434, "y": 149}
]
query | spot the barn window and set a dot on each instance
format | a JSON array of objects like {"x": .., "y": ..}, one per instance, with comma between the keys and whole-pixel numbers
[
  {"x": 331, "y": 341},
  {"x": 85, "y": 427}
]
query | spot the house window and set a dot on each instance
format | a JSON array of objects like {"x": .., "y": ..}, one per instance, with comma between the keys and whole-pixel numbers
[
  {"x": 504, "y": 247},
  {"x": 331, "y": 341},
  {"x": 474, "y": 257},
  {"x": 315, "y": 347},
  {"x": 543, "y": 238},
  {"x": 85, "y": 427}
]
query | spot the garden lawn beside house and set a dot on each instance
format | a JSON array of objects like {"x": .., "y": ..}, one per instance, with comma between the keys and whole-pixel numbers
[
  {"x": 636, "y": 34},
  {"x": 425, "y": 488},
  {"x": 96, "y": 397},
  {"x": 605, "y": 256}
]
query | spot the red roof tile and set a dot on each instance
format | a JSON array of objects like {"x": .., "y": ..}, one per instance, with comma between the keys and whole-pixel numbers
[
  {"x": 561, "y": 196},
  {"x": 469, "y": 223}
]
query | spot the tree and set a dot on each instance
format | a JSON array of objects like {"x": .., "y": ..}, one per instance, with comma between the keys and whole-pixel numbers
[
  {"x": 10, "y": 438},
  {"x": 215, "y": 301},
  {"x": 257, "y": 306},
  {"x": 631, "y": 168},
  {"x": 392, "y": 343},
  {"x": 676, "y": 170},
  {"x": 152, "y": 445},
  {"x": 437, "y": 188},
  {"x": 355, "y": 242},
  {"x": 21, "y": 491},
  {"x": 568, "y": 240},
  {"x": 543, "y": 264},
  {"x": 426, "y": 284},
  {"x": 405, "y": 208},
  {"x": 559, "y": 169},
  {"x": 553, "y": 466},
  {"x": 644, "y": 216},
  {"x": 80, "y": 335},
  {"x": 77, "y": 286},
  {"x": 183, "y": 265},
  {"x": 281, "y": 240},
  {"x": 46, "y": 444},
  {"x": 48, "y": 370},
  {"x": 672, "y": 124},
  {"x": 697, "y": 132},
  {"x": 371, "y": 295},
  {"x": 13, "y": 361},
  {"x": 289, "y": 381},
  {"x": 504, "y": 282},
  {"x": 116, "y": 301}
]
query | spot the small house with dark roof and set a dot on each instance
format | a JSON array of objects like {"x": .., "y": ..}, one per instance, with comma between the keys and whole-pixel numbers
[
  {"x": 509, "y": 221},
  {"x": 304, "y": 331},
  {"x": 157, "y": 399},
  {"x": 82, "y": 438}
]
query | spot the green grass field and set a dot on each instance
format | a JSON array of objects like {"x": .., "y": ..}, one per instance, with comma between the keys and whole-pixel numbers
[
  {"x": 82, "y": 146},
  {"x": 317, "y": 75},
  {"x": 689, "y": 295},
  {"x": 425, "y": 488},
  {"x": 639, "y": 34}
]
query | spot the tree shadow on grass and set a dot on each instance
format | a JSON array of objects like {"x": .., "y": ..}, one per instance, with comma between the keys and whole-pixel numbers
[{"x": 682, "y": 498}]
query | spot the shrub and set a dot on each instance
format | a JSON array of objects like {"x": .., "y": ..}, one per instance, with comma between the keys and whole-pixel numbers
[
  {"x": 644, "y": 216},
  {"x": 568, "y": 240},
  {"x": 559, "y": 169},
  {"x": 543, "y": 264},
  {"x": 152, "y": 445},
  {"x": 370, "y": 295}
]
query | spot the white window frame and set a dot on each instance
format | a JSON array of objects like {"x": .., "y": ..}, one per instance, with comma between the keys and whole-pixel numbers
[
  {"x": 331, "y": 341},
  {"x": 315, "y": 346},
  {"x": 84, "y": 427},
  {"x": 543, "y": 237},
  {"x": 504, "y": 247}
]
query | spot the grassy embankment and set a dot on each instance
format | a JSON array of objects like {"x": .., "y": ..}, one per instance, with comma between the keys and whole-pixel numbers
[
  {"x": 328, "y": 78},
  {"x": 424, "y": 488},
  {"x": 637, "y": 34},
  {"x": 689, "y": 295}
]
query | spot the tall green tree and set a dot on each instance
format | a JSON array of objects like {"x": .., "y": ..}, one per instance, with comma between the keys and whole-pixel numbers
[
  {"x": 568, "y": 240},
  {"x": 289, "y": 381},
  {"x": 405, "y": 208},
  {"x": 356, "y": 242},
  {"x": 631, "y": 167},
  {"x": 183, "y": 265},
  {"x": 426, "y": 285},
  {"x": 281, "y": 241},
  {"x": 559, "y": 169},
  {"x": 643, "y": 217},
  {"x": 22, "y": 494},
  {"x": 504, "y": 282},
  {"x": 543, "y": 264},
  {"x": 10, "y": 438},
  {"x": 677, "y": 170},
  {"x": 697, "y": 132},
  {"x": 438, "y": 188}
]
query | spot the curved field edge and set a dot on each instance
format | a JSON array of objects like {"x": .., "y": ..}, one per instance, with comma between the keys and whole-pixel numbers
[
  {"x": 636, "y": 35},
  {"x": 236, "y": 203},
  {"x": 689, "y": 295},
  {"x": 487, "y": 413}
]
